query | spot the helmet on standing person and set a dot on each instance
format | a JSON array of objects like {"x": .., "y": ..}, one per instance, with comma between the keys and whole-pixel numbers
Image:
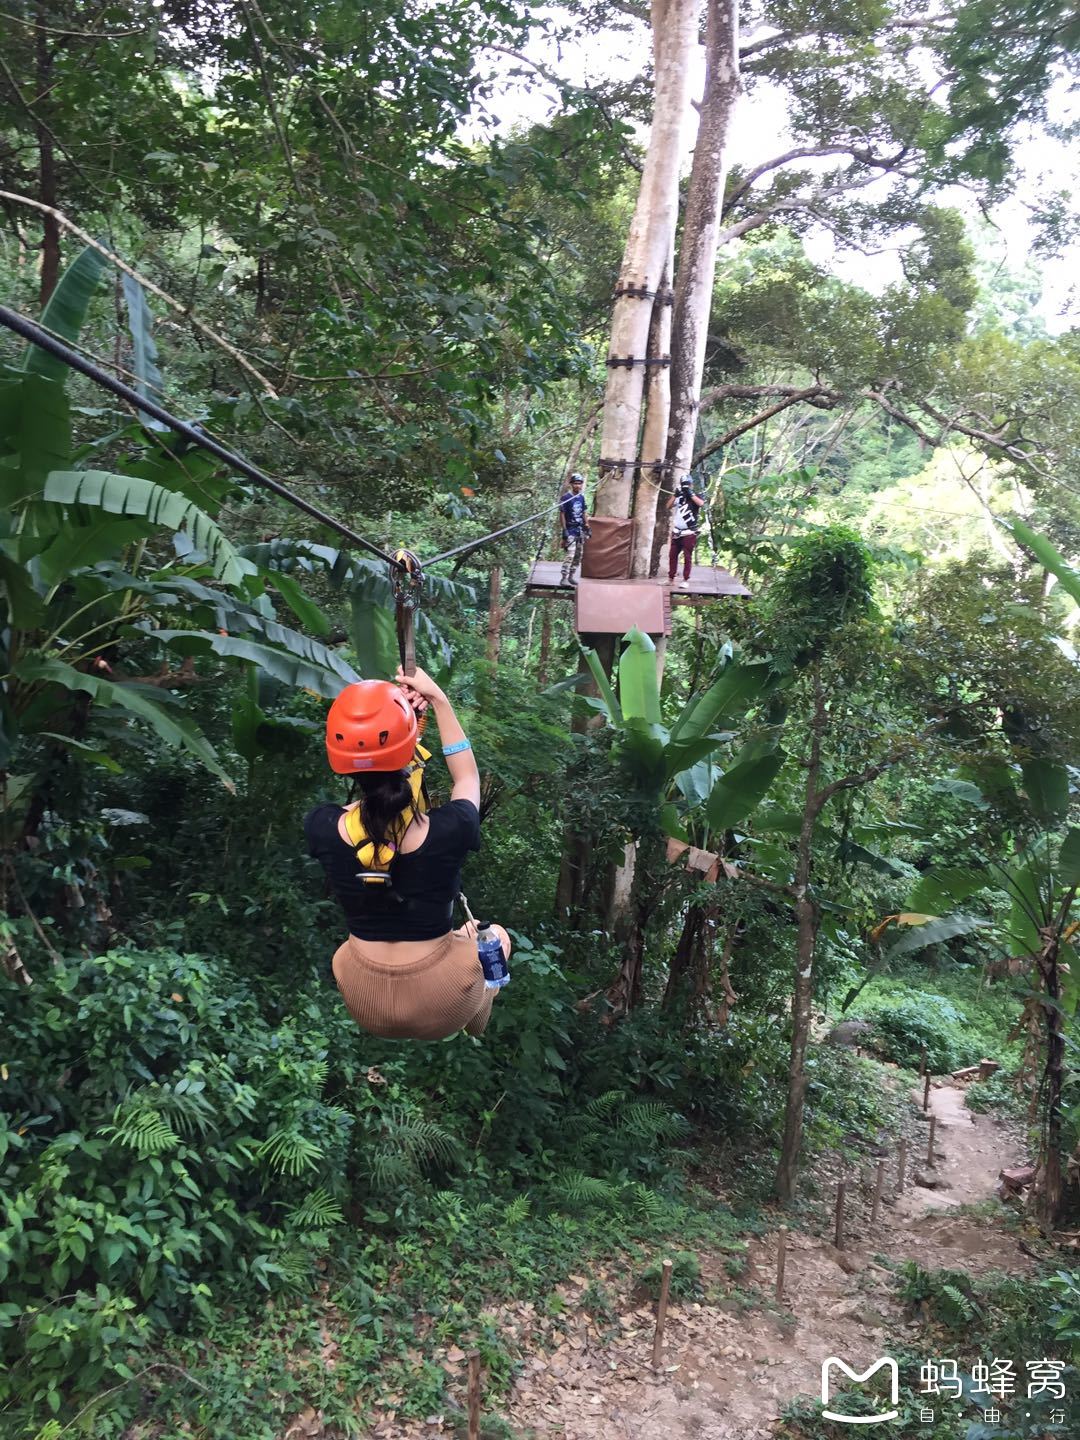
[{"x": 370, "y": 726}]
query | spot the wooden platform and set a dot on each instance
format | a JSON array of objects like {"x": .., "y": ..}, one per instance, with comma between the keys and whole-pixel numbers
[
  {"x": 707, "y": 583},
  {"x": 612, "y": 607}
]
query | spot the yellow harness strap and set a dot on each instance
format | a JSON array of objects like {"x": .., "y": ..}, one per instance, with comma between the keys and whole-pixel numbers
[{"x": 375, "y": 863}]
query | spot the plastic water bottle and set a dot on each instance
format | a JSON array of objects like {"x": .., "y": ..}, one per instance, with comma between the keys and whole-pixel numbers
[{"x": 492, "y": 959}]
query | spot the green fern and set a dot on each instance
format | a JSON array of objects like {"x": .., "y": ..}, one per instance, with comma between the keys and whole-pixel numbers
[
  {"x": 294, "y": 1268},
  {"x": 408, "y": 1145},
  {"x": 388, "y": 1169},
  {"x": 581, "y": 1189},
  {"x": 318, "y": 1211},
  {"x": 965, "y": 1310},
  {"x": 516, "y": 1211},
  {"x": 646, "y": 1202},
  {"x": 289, "y": 1152},
  {"x": 604, "y": 1106},
  {"x": 649, "y": 1120},
  {"x": 139, "y": 1126},
  {"x": 189, "y": 1110}
]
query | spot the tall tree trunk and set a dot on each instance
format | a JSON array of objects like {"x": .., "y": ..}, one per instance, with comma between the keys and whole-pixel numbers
[
  {"x": 682, "y": 962},
  {"x": 495, "y": 617},
  {"x": 648, "y": 246},
  {"x": 1052, "y": 1188},
  {"x": 701, "y": 227},
  {"x": 650, "y": 481},
  {"x": 50, "y": 229},
  {"x": 577, "y": 848},
  {"x": 727, "y": 1003},
  {"x": 806, "y": 915},
  {"x": 676, "y": 399},
  {"x": 545, "y": 645}
]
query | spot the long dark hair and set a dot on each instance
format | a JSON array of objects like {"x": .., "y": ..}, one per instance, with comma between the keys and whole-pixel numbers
[{"x": 383, "y": 795}]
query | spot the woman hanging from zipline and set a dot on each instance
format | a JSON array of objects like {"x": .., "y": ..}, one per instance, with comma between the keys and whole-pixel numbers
[{"x": 404, "y": 972}]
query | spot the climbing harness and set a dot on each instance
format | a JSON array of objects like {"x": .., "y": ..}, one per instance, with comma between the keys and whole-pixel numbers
[{"x": 375, "y": 861}]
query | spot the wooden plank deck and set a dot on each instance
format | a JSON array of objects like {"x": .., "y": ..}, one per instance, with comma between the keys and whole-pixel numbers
[{"x": 707, "y": 583}]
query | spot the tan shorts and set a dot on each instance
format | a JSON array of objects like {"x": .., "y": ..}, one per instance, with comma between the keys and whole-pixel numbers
[{"x": 415, "y": 989}]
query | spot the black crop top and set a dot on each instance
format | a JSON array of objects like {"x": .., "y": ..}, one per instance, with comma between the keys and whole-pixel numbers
[{"x": 428, "y": 878}]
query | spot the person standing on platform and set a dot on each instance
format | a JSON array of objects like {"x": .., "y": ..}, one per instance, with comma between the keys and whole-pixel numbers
[
  {"x": 684, "y": 530},
  {"x": 575, "y": 527}
]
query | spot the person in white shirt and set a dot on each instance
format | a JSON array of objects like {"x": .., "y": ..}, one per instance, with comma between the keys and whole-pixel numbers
[{"x": 684, "y": 505}]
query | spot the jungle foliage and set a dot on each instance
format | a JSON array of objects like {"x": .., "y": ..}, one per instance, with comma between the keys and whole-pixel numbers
[{"x": 306, "y": 229}]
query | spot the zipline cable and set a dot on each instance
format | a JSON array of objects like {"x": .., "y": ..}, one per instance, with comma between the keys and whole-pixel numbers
[
  {"x": 36, "y": 336},
  {"x": 494, "y": 535}
]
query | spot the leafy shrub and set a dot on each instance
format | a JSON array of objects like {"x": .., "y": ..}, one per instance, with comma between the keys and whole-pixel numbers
[
  {"x": 904, "y": 1026},
  {"x": 1062, "y": 1291},
  {"x": 685, "y": 1276},
  {"x": 997, "y": 1093},
  {"x": 160, "y": 1145},
  {"x": 844, "y": 1096}
]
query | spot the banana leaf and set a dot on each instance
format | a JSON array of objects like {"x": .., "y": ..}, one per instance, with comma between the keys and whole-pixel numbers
[
  {"x": 148, "y": 380},
  {"x": 66, "y": 311},
  {"x": 941, "y": 888},
  {"x": 374, "y": 636},
  {"x": 25, "y": 607},
  {"x": 603, "y": 684},
  {"x": 945, "y": 927},
  {"x": 297, "y": 666},
  {"x": 130, "y": 495},
  {"x": 35, "y": 431},
  {"x": 684, "y": 757},
  {"x": 305, "y": 610},
  {"x": 639, "y": 688},
  {"x": 854, "y": 853},
  {"x": 1030, "y": 884},
  {"x": 1046, "y": 785},
  {"x": 742, "y": 788},
  {"x": 738, "y": 686},
  {"x": 176, "y": 731},
  {"x": 1049, "y": 558},
  {"x": 80, "y": 546},
  {"x": 1069, "y": 859},
  {"x": 696, "y": 782},
  {"x": 641, "y": 749}
]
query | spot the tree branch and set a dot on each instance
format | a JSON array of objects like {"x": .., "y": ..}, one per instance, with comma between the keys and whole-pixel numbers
[
  {"x": 852, "y": 782},
  {"x": 812, "y": 152},
  {"x": 823, "y": 399},
  {"x": 175, "y": 305}
]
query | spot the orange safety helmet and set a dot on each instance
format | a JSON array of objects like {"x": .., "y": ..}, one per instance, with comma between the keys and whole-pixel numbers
[{"x": 370, "y": 726}]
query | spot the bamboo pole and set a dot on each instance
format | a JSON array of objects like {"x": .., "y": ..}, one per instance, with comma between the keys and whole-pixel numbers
[
  {"x": 879, "y": 1185},
  {"x": 661, "y": 1315},
  {"x": 781, "y": 1261},
  {"x": 474, "y": 1395},
  {"x": 926, "y": 1094},
  {"x": 930, "y": 1147},
  {"x": 901, "y": 1167}
]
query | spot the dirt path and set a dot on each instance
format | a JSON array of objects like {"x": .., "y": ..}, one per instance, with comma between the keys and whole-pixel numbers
[{"x": 727, "y": 1373}]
